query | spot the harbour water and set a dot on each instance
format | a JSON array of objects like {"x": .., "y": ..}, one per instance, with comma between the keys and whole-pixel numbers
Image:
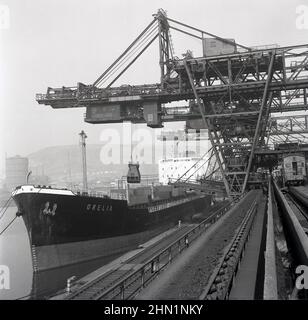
[{"x": 15, "y": 253}]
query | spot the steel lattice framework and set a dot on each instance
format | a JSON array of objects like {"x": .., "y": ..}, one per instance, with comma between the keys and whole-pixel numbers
[
  {"x": 234, "y": 94},
  {"x": 288, "y": 129}
]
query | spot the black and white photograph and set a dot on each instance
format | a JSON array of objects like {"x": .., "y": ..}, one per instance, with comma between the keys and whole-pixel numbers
[{"x": 154, "y": 154}]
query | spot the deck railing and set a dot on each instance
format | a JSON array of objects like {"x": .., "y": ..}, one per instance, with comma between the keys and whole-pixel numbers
[{"x": 127, "y": 288}]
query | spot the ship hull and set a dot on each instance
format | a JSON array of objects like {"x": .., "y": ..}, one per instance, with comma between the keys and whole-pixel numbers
[
  {"x": 65, "y": 254},
  {"x": 65, "y": 228}
]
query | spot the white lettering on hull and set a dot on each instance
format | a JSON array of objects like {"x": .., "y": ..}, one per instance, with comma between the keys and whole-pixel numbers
[{"x": 99, "y": 208}]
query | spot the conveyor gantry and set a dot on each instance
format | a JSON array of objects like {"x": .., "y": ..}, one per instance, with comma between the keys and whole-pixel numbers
[
  {"x": 233, "y": 93},
  {"x": 242, "y": 73}
]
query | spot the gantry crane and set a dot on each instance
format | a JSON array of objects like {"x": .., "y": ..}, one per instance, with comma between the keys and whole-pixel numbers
[{"x": 233, "y": 91}]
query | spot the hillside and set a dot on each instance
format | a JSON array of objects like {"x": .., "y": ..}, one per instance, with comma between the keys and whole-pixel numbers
[{"x": 63, "y": 163}]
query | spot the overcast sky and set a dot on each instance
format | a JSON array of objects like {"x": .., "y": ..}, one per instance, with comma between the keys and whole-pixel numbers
[{"x": 62, "y": 42}]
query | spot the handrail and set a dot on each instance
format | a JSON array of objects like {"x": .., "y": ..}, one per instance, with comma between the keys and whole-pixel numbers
[{"x": 152, "y": 268}]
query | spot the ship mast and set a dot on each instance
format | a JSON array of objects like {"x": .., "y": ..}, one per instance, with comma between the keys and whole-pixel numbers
[{"x": 84, "y": 160}]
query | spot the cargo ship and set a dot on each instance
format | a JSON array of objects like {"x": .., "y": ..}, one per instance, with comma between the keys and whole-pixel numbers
[{"x": 66, "y": 227}]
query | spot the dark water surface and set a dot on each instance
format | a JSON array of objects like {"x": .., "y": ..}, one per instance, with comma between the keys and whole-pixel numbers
[{"x": 16, "y": 254}]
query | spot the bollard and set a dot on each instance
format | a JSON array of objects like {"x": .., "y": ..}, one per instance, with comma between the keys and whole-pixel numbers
[
  {"x": 179, "y": 224},
  {"x": 153, "y": 266},
  {"x": 69, "y": 283},
  {"x": 186, "y": 242}
]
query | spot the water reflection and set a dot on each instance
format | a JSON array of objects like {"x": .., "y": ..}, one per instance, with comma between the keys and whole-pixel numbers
[{"x": 48, "y": 282}]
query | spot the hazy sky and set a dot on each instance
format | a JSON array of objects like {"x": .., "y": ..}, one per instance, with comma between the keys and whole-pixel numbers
[{"x": 62, "y": 42}]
